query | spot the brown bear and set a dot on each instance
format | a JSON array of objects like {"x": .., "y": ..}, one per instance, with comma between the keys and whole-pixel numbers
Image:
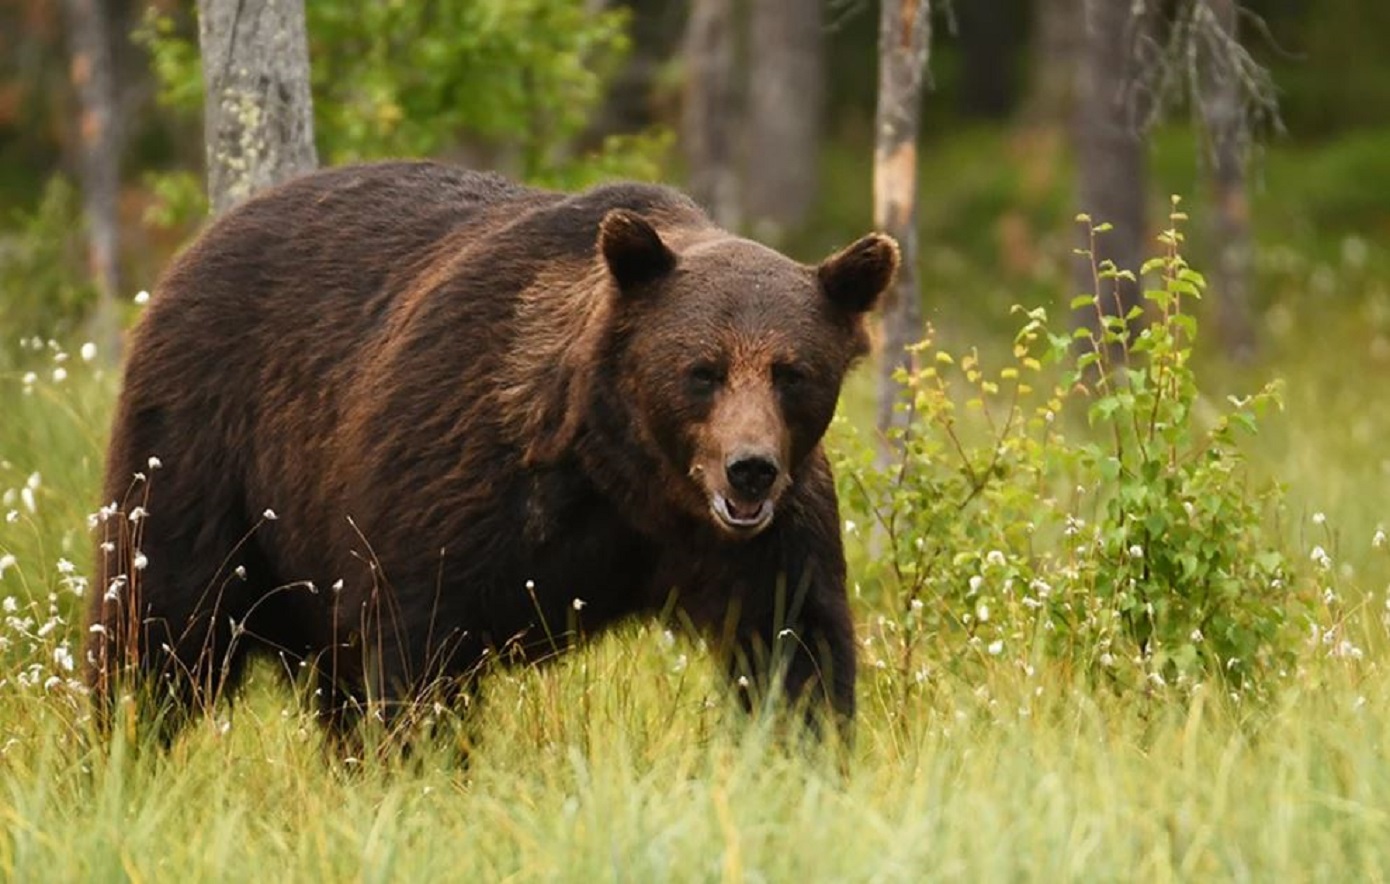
[{"x": 393, "y": 421}]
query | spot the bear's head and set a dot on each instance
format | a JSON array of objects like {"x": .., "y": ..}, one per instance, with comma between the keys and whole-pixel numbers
[{"x": 728, "y": 358}]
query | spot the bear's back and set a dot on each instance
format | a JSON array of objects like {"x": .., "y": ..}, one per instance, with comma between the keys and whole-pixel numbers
[{"x": 330, "y": 302}]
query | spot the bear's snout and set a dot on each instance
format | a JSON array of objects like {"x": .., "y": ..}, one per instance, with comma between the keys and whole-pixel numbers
[
  {"x": 753, "y": 480},
  {"x": 751, "y": 475}
]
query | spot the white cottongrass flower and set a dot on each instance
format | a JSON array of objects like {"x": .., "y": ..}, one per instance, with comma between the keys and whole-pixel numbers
[
  {"x": 7, "y": 561},
  {"x": 66, "y": 567},
  {"x": 1136, "y": 551},
  {"x": 88, "y": 352},
  {"x": 996, "y": 647},
  {"x": 982, "y": 612},
  {"x": 1348, "y": 650},
  {"x": 137, "y": 514},
  {"x": 994, "y": 557},
  {"x": 142, "y": 297},
  {"x": 140, "y": 561},
  {"x": 1320, "y": 556},
  {"x": 154, "y": 463},
  {"x": 976, "y": 582},
  {"x": 62, "y": 658},
  {"x": 1319, "y": 518},
  {"x": 10, "y": 605},
  {"x": 578, "y": 604},
  {"x": 113, "y": 589},
  {"x": 60, "y": 374},
  {"x": 269, "y": 515},
  {"x": 240, "y": 572},
  {"x": 1378, "y": 539}
]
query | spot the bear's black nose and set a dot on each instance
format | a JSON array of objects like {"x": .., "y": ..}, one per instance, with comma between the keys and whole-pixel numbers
[{"x": 751, "y": 475}]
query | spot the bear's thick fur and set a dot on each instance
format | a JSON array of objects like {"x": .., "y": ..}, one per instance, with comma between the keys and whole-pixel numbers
[{"x": 406, "y": 418}]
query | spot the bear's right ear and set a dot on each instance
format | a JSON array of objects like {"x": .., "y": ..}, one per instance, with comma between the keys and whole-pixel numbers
[
  {"x": 632, "y": 249},
  {"x": 854, "y": 277}
]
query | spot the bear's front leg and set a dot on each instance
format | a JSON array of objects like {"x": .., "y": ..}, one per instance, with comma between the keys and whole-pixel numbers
[
  {"x": 778, "y": 614},
  {"x": 798, "y": 631}
]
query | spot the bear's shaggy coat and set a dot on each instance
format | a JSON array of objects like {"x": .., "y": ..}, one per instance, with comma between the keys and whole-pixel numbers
[{"x": 408, "y": 417}]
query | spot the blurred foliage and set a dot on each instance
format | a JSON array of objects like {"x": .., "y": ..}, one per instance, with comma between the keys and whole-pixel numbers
[
  {"x": 44, "y": 286},
  {"x": 515, "y": 81}
]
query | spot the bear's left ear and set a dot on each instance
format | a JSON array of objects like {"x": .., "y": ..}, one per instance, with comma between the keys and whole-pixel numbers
[
  {"x": 633, "y": 249},
  {"x": 855, "y": 276}
]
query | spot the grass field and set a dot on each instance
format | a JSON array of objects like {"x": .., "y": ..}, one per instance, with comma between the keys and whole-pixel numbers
[{"x": 624, "y": 763}]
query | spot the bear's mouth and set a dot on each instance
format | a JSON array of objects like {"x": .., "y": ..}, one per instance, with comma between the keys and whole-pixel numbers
[{"x": 741, "y": 518}]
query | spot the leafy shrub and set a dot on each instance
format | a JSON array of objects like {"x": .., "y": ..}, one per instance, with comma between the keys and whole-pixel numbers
[{"x": 1135, "y": 554}]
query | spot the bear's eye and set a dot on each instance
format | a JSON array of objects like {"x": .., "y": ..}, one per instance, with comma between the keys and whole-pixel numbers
[
  {"x": 787, "y": 377},
  {"x": 704, "y": 379}
]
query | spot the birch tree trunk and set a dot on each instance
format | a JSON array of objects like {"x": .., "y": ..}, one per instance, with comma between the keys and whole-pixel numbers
[
  {"x": 904, "y": 46},
  {"x": 708, "y": 113},
  {"x": 93, "y": 78},
  {"x": 257, "y": 112},
  {"x": 1220, "y": 93},
  {"x": 1112, "y": 165},
  {"x": 785, "y": 94}
]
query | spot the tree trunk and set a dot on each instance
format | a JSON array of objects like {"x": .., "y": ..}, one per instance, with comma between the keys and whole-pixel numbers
[
  {"x": 1223, "y": 117},
  {"x": 93, "y": 78},
  {"x": 1055, "y": 51},
  {"x": 904, "y": 46},
  {"x": 1112, "y": 164},
  {"x": 707, "y": 115},
  {"x": 785, "y": 95},
  {"x": 257, "y": 112}
]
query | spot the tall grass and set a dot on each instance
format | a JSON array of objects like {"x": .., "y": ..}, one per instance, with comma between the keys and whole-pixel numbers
[{"x": 1011, "y": 778}]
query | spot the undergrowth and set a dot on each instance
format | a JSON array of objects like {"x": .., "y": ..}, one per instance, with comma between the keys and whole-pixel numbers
[{"x": 1083, "y": 506}]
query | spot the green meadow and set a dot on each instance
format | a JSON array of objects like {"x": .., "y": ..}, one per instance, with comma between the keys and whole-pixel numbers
[{"x": 1112, "y": 745}]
